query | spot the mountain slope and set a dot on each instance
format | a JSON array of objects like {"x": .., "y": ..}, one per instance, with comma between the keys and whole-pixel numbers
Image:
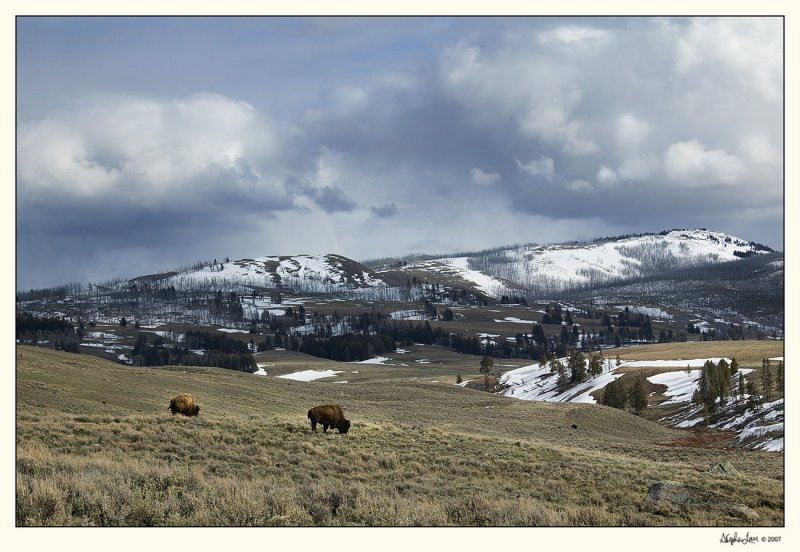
[
  {"x": 319, "y": 273},
  {"x": 567, "y": 266},
  {"x": 513, "y": 270},
  {"x": 556, "y": 268}
]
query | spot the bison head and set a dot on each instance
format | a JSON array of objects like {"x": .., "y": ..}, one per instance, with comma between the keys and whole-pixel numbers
[{"x": 344, "y": 427}]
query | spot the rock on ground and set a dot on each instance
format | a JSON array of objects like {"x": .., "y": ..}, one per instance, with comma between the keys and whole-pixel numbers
[{"x": 669, "y": 495}]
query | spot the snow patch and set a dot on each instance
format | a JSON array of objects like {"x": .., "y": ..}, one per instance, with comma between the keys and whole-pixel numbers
[
  {"x": 311, "y": 375},
  {"x": 376, "y": 360},
  {"x": 515, "y": 320},
  {"x": 232, "y": 330}
]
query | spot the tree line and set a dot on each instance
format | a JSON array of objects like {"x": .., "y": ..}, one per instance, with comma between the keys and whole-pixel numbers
[
  {"x": 58, "y": 333},
  {"x": 202, "y": 348}
]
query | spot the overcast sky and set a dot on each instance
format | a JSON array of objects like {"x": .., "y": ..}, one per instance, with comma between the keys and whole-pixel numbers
[{"x": 144, "y": 144}]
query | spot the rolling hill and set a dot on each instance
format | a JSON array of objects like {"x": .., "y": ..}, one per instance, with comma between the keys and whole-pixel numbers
[
  {"x": 97, "y": 446},
  {"x": 521, "y": 269},
  {"x": 548, "y": 269}
]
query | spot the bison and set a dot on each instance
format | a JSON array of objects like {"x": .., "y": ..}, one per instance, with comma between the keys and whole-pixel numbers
[
  {"x": 185, "y": 405},
  {"x": 329, "y": 415}
]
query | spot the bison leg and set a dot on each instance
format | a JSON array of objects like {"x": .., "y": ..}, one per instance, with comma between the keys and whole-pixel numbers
[
  {"x": 313, "y": 426},
  {"x": 324, "y": 428}
]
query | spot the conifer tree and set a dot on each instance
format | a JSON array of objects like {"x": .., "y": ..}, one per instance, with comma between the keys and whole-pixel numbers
[
  {"x": 595, "y": 365},
  {"x": 723, "y": 380},
  {"x": 577, "y": 367},
  {"x": 543, "y": 359},
  {"x": 563, "y": 380},
  {"x": 766, "y": 379},
  {"x": 555, "y": 364},
  {"x": 637, "y": 396},
  {"x": 486, "y": 367},
  {"x": 753, "y": 401},
  {"x": 741, "y": 385},
  {"x": 614, "y": 395}
]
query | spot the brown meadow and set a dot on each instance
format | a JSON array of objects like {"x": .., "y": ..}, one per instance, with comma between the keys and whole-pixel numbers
[{"x": 96, "y": 445}]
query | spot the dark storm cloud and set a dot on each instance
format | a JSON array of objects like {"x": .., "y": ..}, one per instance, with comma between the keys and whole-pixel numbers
[{"x": 536, "y": 128}]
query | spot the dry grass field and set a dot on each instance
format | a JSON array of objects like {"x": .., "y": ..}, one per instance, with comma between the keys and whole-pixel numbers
[
  {"x": 748, "y": 354},
  {"x": 96, "y": 445}
]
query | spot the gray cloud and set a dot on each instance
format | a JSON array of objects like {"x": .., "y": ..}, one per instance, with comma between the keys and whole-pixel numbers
[
  {"x": 331, "y": 199},
  {"x": 385, "y": 211}
]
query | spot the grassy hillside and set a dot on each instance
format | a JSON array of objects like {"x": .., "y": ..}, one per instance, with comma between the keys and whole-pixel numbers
[{"x": 97, "y": 446}]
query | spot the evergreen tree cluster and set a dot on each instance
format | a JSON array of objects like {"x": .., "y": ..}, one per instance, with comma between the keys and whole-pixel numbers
[
  {"x": 218, "y": 350},
  {"x": 771, "y": 379},
  {"x": 614, "y": 395},
  {"x": 633, "y": 398},
  {"x": 714, "y": 385},
  {"x": 229, "y": 305},
  {"x": 351, "y": 347},
  {"x": 553, "y": 314},
  {"x": 59, "y": 333}
]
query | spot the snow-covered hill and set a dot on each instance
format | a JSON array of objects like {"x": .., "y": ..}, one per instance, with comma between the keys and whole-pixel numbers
[
  {"x": 632, "y": 256},
  {"x": 453, "y": 272},
  {"x": 549, "y": 268},
  {"x": 514, "y": 270},
  {"x": 758, "y": 427},
  {"x": 309, "y": 273}
]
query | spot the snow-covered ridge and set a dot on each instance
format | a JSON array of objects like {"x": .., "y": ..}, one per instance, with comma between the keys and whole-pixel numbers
[
  {"x": 546, "y": 268},
  {"x": 580, "y": 264},
  {"x": 510, "y": 271},
  {"x": 308, "y": 272}
]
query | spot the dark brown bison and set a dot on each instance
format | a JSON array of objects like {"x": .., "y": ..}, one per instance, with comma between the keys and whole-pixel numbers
[
  {"x": 185, "y": 405},
  {"x": 329, "y": 415}
]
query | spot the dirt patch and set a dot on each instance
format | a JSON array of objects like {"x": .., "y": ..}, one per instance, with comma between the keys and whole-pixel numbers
[{"x": 706, "y": 439}]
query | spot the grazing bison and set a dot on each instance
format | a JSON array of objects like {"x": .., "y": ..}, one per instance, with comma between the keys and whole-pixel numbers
[
  {"x": 185, "y": 405},
  {"x": 329, "y": 415}
]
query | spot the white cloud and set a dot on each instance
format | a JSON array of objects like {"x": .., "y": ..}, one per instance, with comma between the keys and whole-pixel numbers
[
  {"x": 145, "y": 150},
  {"x": 606, "y": 176},
  {"x": 53, "y": 155},
  {"x": 736, "y": 52},
  {"x": 552, "y": 123},
  {"x": 517, "y": 84},
  {"x": 639, "y": 168},
  {"x": 691, "y": 164},
  {"x": 758, "y": 149},
  {"x": 574, "y": 35},
  {"x": 544, "y": 166},
  {"x": 484, "y": 179},
  {"x": 630, "y": 132}
]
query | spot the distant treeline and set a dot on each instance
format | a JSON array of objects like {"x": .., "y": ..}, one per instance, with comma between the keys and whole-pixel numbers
[
  {"x": 47, "y": 331},
  {"x": 349, "y": 347},
  {"x": 52, "y": 293},
  {"x": 218, "y": 350}
]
